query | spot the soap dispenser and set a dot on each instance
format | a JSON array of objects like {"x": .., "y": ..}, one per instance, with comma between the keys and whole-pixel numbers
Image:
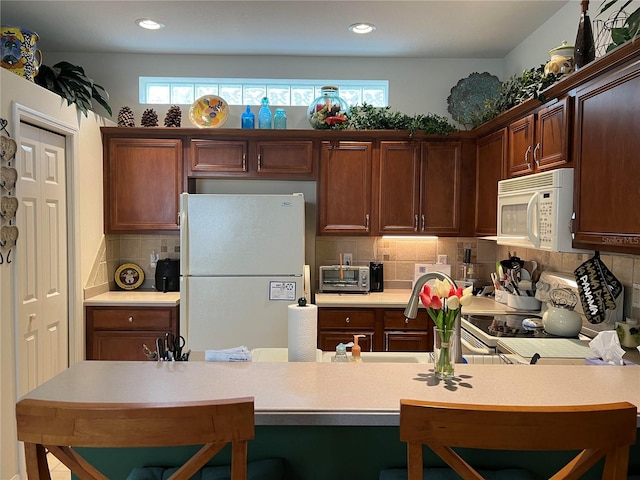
[
  {"x": 356, "y": 350},
  {"x": 341, "y": 353}
]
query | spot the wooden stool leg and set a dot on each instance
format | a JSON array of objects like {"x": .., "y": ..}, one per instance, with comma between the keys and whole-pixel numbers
[{"x": 36, "y": 460}]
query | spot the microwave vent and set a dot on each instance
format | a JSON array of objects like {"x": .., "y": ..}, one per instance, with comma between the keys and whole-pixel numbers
[{"x": 552, "y": 179}]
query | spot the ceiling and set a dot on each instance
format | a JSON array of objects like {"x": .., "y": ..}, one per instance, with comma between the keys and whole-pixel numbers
[{"x": 418, "y": 28}]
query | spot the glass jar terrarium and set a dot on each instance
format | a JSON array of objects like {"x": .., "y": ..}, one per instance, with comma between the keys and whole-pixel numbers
[{"x": 328, "y": 109}]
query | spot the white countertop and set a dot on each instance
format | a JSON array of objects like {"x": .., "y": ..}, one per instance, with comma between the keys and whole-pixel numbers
[
  {"x": 138, "y": 298},
  {"x": 339, "y": 393},
  {"x": 398, "y": 298}
]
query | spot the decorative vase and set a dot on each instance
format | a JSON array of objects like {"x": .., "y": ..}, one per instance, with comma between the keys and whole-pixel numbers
[
  {"x": 18, "y": 52},
  {"x": 328, "y": 109},
  {"x": 444, "y": 352},
  {"x": 561, "y": 60}
]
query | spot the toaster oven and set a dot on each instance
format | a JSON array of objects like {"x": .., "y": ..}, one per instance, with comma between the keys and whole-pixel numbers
[{"x": 344, "y": 279}]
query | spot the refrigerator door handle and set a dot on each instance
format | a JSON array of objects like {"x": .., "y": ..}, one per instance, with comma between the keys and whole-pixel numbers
[{"x": 184, "y": 229}]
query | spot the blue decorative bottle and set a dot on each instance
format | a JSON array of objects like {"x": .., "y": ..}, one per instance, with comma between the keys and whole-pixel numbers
[
  {"x": 280, "y": 119},
  {"x": 264, "y": 115},
  {"x": 248, "y": 119}
]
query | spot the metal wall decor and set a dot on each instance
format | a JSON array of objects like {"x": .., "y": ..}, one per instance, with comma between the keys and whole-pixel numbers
[{"x": 8, "y": 202}]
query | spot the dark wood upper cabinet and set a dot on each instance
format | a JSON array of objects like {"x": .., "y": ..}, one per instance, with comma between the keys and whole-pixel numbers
[
  {"x": 142, "y": 184},
  {"x": 344, "y": 189},
  {"x": 540, "y": 140},
  {"x": 490, "y": 164},
  {"x": 441, "y": 188},
  {"x": 398, "y": 180},
  {"x": 419, "y": 187},
  {"x": 606, "y": 152},
  {"x": 229, "y": 157}
]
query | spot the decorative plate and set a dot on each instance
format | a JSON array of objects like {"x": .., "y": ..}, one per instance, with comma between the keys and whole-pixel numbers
[
  {"x": 129, "y": 276},
  {"x": 209, "y": 111},
  {"x": 466, "y": 102}
]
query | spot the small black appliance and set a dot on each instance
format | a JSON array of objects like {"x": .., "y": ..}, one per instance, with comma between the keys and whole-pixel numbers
[
  {"x": 168, "y": 275},
  {"x": 376, "y": 277}
]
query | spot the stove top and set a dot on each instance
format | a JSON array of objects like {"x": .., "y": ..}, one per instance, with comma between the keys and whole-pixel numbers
[{"x": 490, "y": 329}]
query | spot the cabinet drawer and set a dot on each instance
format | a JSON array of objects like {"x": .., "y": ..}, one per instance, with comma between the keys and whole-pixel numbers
[
  {"x": 395, "y": 320},
  {"x": 348, "y": 319},
  {"x": 132, "y": 318}
]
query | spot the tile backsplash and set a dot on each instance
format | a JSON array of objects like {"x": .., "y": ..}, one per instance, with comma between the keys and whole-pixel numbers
[
  {"x": 119, "y": 249},
  {"x": 399, "y": 257}
]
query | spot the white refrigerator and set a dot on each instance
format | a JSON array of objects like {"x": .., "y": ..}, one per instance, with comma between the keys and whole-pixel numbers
[{"x": 241, "y": 266}]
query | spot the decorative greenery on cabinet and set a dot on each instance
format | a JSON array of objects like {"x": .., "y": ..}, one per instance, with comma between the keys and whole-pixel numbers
[{"x": 368, "y": 117}]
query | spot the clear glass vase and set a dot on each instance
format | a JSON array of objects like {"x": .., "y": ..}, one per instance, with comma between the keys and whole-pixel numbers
[
  {"x": 328, "y": 110},
  {"x": 444, "y": 352}
]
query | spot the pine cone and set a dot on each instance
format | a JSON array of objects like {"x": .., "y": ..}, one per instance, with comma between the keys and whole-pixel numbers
[
  {"x": 125, "y": 117},
  {"x": 149, "y": 118},
  {"x": 174, "y": 115}
]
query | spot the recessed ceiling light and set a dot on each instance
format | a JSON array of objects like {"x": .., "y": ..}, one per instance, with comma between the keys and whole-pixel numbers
[
  {"x": 149, "y": 24},
  {"x": 362, "y": 28}
]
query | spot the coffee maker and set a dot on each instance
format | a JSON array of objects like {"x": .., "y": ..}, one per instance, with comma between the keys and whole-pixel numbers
[
  {"x": 168, "y": 275},
  {"x": 376, "y": 277}
]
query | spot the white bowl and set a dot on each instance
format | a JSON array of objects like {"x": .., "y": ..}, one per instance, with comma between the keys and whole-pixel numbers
[{"x": 523, "y": 303}]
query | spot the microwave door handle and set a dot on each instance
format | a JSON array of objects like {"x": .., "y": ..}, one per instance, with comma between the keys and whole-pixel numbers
[{"x": 532, "y": 209}]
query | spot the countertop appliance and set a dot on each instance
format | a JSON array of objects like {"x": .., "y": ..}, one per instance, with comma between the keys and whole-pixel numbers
[
  {"x": 534, "y": 211},
  {"x": 344, "y": 279},
  {"x": 242, "y": 265},
  {"x": 168, "y": 275}
]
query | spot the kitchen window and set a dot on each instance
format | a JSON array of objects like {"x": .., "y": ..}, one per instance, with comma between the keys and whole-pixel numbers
[{"x": 249, "y": 91}]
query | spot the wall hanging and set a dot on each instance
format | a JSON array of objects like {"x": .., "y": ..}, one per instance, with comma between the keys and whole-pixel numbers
[{"x": 8, "y": 202}]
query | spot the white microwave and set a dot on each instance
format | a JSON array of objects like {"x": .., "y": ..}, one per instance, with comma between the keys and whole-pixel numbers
[{"x": 534, "y": 211}]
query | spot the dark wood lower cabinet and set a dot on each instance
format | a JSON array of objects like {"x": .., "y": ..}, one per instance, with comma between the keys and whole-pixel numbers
[
  {"x": 119, "y": 332},
  {"x": 384, "y": 329}
]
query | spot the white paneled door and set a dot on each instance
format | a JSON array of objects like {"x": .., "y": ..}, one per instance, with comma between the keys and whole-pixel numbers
[{"x": 41, "y": 258}]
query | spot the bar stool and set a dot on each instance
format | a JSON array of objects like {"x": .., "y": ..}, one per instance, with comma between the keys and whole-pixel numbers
[
  {"x": 601, "y": 430},
  {"x": 58, "y": 427}
]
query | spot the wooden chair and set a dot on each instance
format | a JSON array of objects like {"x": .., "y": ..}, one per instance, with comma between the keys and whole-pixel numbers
[
  {"x": 604, "y": 430},
  {"x": 57, "y": 427}
]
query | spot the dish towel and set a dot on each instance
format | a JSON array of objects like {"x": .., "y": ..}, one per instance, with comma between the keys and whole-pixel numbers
[{"x": 235, "y": 354}]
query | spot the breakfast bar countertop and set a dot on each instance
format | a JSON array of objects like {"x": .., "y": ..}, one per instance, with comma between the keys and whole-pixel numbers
[{"x": 310, "y": 393}]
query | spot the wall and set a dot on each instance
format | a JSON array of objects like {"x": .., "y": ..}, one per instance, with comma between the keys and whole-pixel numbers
[
  {"x": 85, "y": 166},
  {"x": 533, "y": 51},
  {"x": 416, "y": 85}
]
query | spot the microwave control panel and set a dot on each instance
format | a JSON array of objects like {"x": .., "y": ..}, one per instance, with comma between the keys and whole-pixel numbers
[{"x": 546, "y": 218}]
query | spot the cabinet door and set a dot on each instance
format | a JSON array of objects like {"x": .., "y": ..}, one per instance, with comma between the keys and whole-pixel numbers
[
  {"x": 114, "y": 345},
  {"x": 521, "y": 142},
  {"x": 406, "y": 342},
  {"x": 327, "y": 339},
  {"x": 344, "y": 190},
  {"x": 398, "y": 180},
  {"x": 606, "y": 146},
  {"x": 552, "y": 135},
  {"x": 440, "y": 193},
  {"x": 291, "y": 159},
  {"x": 142, "y": 184},
  {"x": 490, "y": 163},
  {"x": 218, "y": 156}
]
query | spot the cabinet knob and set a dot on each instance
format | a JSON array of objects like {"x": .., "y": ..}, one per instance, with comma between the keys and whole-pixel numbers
[
  {"x": 422, "y": 226},
  {"x": 347, "y": 320},
  {"x": 130, "y": 319},
  {"x": 406, "y": 321},
  {"x": 366, "y": 218},
  {"x": 415, "y": 223}
]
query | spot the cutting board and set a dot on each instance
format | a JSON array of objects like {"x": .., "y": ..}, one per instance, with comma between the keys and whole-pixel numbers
[{"x": 546, "y": 347}]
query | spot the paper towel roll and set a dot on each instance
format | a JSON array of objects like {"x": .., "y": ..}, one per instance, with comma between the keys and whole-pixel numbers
[{"x": 303, "y": 333}]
